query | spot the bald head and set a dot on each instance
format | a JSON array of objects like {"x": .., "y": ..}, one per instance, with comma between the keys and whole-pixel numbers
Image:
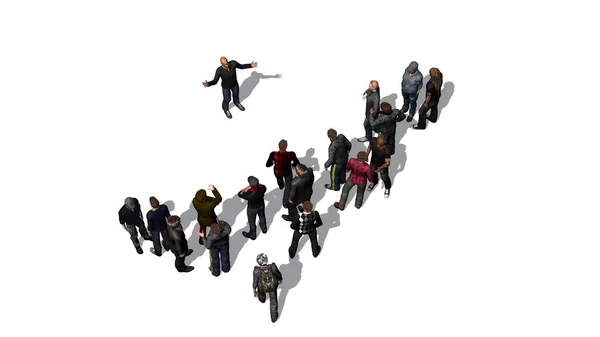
[{"x": 224, "y": 62}]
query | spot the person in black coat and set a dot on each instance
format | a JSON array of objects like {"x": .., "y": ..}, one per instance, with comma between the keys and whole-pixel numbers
[
  {"x": 301, "y": 190},
  {"x": 266, "y": 278},
  {"x": 178, "y": 244},
  {"x": 131, "y": 218},
  {"x": 306, "y": 223},
  {"x": 255, "y": 195},
  {"x": 157, "y": 225},
  {"x": 217, "y": 241}
]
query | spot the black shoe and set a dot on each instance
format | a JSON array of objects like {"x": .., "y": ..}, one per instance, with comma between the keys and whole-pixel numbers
[
  {"x": 228, "y": 114},
  {"x": 241, "y": 107},
  {"x": 187, "y": 269},
  {"x": 274, "y": 318},
  {"x": 400, "y": 118},
  {"x": 415, "y": 127},
  {"x": 247, "y": 235},
  {"x": 189, "y": 252},
  {"x": 287, "y": 217},
  {"x": 290, "y": 254},
  {"x": 409, "y": 119},
  {"x": 281, "y": 187},
  {"x": 318, "y": 252},
  {"x": 371, "y": 187},
  {"x": 139, "y": 250},
  {"x": 386, "y": 193},
  {"x": 148, "y": 238},
  {"x": 263, "y": 229}
]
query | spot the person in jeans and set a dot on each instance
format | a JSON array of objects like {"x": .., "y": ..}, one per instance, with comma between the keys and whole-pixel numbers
[
  {"x": 282, "y": 162},
  {"x": 434, "y": 92},
  {"x": 217, "y": 241},
  {"x": 306, "y": 223},
  {"x": 157, "y": 225},
  {"x": 360, "y": 171},
  {"x": 372, "y": 97},
  {"x": 412, "y": 81},
  {"x": 385, "y": 124},
  {"x": 229, "y": 83},
  {"x": 130, "y": 217},
  {"x": 339, "y": 148},
  {"x": 205, "y": 206},
  {"x": 301, "y": 190},
  {"x": 265, "y": 280},
  {"x": 255, "y": 195},
  {"x": 178, "y": 244},
  {"x": 380, "y": 161}
]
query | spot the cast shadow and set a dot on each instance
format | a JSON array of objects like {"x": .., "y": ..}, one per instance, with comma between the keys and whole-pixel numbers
[
  {"x": 292, "y": 273},
  {"x": 398, "y": 162},
  {"x": 319, "y": 189},
  {"x": 447, "y": 92},
  {"x": 193, "y": 244},
  {"x": 330, "y": 220},
  {"x": 170, "y": 205},
  {"x": 390, "y": 99},
  {"x": 232, "y": 208},
  {"x": 309, "y": 160},
  {"x": 250, "y": 84},
  {"x": 188, "y": 216},
  {"x": 274, "y": 200}
]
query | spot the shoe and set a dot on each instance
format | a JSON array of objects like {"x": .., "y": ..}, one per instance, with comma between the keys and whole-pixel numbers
[
  {"x": 337, "y": 205},
  {"x": 187, "y": 269},
  {"x": 358, "y": 207},
  {"x": 152, "y": 250},
  {"x": 400, "y": 118},
  {"x": 148, "y": 238},
  {"x": 415, "y": 127},
  {"x": 409, "y": 119},
  {"x": 189, "y": 252},
  {"x": 287, "y": 217},
  {"x": 290, "y": 254},
  {"x": 371, "y": 187},
  {"x": 139, "y": 250},
  {"x": 247, "y": 235},
  {"x": 228, "y": 114},
  {"x": 328, "y": 186},
  {"x": 362, "y": 139},
  {"x": 241, "y": 107},
  {"x": 263, "y": 229},
  {"x": 318, "y": 252},
  {"x": 386, "y": 193},
  {"x": 281, "y": 187}
]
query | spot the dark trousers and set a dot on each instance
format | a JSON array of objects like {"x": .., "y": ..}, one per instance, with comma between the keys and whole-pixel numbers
[
  {"x": 133, "y": 233},
  {"x": 385, "y": 176},
  {"x": 433, "y": 106},
  {"x": 262, "y": 219},
  {"x": 227, "y": 97},
  {"x": 314, "y": 244},
  {"x": 219, "y": 259},
  {"x": 409, "y": 100},
  {"x": 337, "y": 173},
  {"x": 283, "y": 181},
  {"x": 368, "y": 128},
  {"x": 156, "y": 234},
  {"x": 274, "y": 305},
  {"x": 203, "y": 230},
  {"x": 360, "y": 193},
  {"x": 180, "y": 260}
]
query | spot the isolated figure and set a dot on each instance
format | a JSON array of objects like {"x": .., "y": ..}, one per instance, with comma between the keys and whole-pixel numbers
[
  {"x": 178, "y": 244},
  {"x": 205, "y": 206},
  {"x": 385, "y": 124},
  {"x": 339, "y": 149},
  {"x": 157, "y": 225},
  {"x": 360, "y": 171},
  {"x": 412, "y": 81},
  {"x": 255, "y": 195},
  {"x": 229, "y": 83},
  {"x": 217, "y": 241},
  {"x": 380, "y": 162},
  {"x": 301, "y": 190},
  {"x": 282, "y": 162},
  {"x": 130, "y": 217},
  {"x": 306, "y": 223},
  {"x": 373, "y": 98},
  {"x": 434, "y": 92},
  {"x": 265, "y": 280}
]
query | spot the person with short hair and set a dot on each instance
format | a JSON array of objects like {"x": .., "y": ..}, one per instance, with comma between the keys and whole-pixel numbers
[
  {"x": 217, "y": 242},
  {"x": 130, "y": 217},
  {"x": 380, "y": 162},
  {"x": 339, "y": 149},
  {"x": 372, "y": 97},
  {"x": 254, "y": 194},
  {"x": 265, "y": 280},
  {"x": 157, "y": 225},
  {"x": 301, "y": 190},
  {"x": 306, "y": 223},
  {"x": 205, "y": 206},
  {"x": 360, "y": 171},
  {"x": 282, "y": 162},
  {"x": 385, "y": 124},
  {"x": 178, "y": 244},
  {"x": 412, "y": 81}
]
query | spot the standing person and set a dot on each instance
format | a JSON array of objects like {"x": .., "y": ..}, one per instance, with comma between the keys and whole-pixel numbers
[
  {"x": 130, "y": 217},
  {"x": 283, "y": 161},
  {"x": 229, "y": 83},
  {"x": 255, "y": 195},
  {"x": 339, "y": 149},
  {"x": 372, "y": 97},
  {"x": 380, "y": 162},
  {"x": 434, "y": 92},
  {"x": 265, "y": 280},
  {"x": 157, "y": 225},
  {"x": 385, "y": 124},
  {"x": 412, "y": 81},
  {"x": 178, "y": 244},
  {"x": 360, "y": 171},
  {"x": 306, "y": 224},
  {"x": 217, "y": 241},
  {"x": 205, "y": 206},
  {"x": 301, "y": 190}
]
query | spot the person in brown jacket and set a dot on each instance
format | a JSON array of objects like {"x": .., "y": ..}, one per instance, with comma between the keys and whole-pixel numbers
[{"x": 205, "y": 206}]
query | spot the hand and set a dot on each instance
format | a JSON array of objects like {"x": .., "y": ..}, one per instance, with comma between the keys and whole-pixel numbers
[
  {"x": 254, "y": 293},
  {"x": 254, "y": 64},
  {"x": 364, "y": 96},
  {"x": 127, "y": 229},
  {"x": 278, "y": 282},
  {"x": 211, "y": 187},
  {"x": 327, "y": 169},
  {"x": 378, "y": 169},
  {"x": 372, "y": 110},
  {"x": 426, "y": 106},
  {"x": 371, "y": 185},
  {"x": 205, "y": 83},
  {"x": 200, "y": 234}
]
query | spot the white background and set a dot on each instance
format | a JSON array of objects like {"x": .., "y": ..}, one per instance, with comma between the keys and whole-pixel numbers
[{"x": 490, "y": 229}]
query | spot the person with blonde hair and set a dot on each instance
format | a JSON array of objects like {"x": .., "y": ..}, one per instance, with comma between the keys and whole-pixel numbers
[{"x": 434, "y": 92}]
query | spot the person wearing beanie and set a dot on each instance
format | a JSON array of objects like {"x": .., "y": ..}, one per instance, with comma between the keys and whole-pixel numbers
[
  {"x": 265, "y": 280},
  {"x": 434, "y": 92},
  {"x": 255, "y": 195},
  {"x": 205, "y": 206},
  {"x": 178, "y": 244},
  {"x": 339, "y": 148},
  {"x": 306, "y": 223},
  {"x": 412, "y": 81},
  {"x": 131, "y": 218},
  {"x": 217, "y": 242},
  {"x": 385, "y": 124},
  {"x": 157, "y": 225},
  {"x": 282, "y": 162},
  {"x": 372, "y": 97},
  {"x": 360, "y": 171}
]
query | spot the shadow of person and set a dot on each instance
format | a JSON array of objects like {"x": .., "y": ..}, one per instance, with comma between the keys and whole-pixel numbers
[
  {"x": 193, "y": 244},
  {"x": 188, "y": 216},
  {"x": 319, "y": 189},
  {"x": 398, "y": 162},
  {"x": 447, "y": 92},
  {"x": 170, "y": 205},
  {"x": 330, "y": 220},
  {"x": 274, "y": 202},
  {"x": 292, "y": 273},
  {"x": 391, "y": 99},
  {"x": 309, "y": 160},
  {"x": 232, "y": 208},
  {"x": 250, "y": 84}
]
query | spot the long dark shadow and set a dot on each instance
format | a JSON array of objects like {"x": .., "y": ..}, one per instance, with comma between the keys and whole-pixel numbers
[
  {"x": 232, "y": 208},
  {"x": 193, "y": 244},
  {"x": 249, "y": 84},
  {"x": 292, "y": 273},
  {"x": 274, "y": 203},
  {"x": 447, "y": 92}
]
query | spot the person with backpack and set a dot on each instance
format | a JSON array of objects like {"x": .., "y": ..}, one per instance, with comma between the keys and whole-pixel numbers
[
  {"x": 217, "y": 241},
  {"x": 306, "y": 223},
  {"x": 266, "y": 279}
]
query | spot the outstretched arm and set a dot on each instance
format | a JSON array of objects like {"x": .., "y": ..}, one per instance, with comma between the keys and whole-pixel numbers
[
  {"x": 217, "y": 198},
  {"x": 241, "y": 66},
  {"x": 216, "y": 79}
]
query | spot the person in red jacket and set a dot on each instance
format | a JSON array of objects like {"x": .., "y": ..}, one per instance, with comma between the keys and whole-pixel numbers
[{"x": 360, "y": 172}]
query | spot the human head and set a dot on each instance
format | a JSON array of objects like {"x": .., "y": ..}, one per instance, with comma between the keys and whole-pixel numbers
[
  {"x": 331, "y": 133},
  {"x": 154, "y": 202},
  {"x": 436, "y": 78},
  {"x": 381, "y": 141},
  {"x": 174, "y": 221},
  {"x": 262, "y": 259},
  {"x": 201, "y": 195},
  {"x": 386, "y": 107},
  {"x": 373, "y": 85},
  {"x": 253, "y": 181},
  {"x": 362, "y": 156},
  {"x": 130, "y": 203},
  {"x": 224, "y": 62},
  {"x": 216, "y": 227},
  {"x": 412, "y": 67},
  {"x": 283, "y": 144},
  {"x": 301, "y": 169},
  {"x": 308, "y": 206}
]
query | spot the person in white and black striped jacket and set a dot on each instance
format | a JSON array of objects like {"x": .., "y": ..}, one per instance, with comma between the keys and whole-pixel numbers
[{"x": 306, "y": 223}]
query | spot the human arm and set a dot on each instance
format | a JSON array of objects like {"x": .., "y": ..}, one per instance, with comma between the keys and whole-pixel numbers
[
  {"x": 295, "y": 223},
  {"x": 150, "y": 222},
  {"x": 368, "y": 172},
  {"x": 271, "y": 159},
  {"x": 277, "y": 273},
  {"x": 365, "y": 94},
  {"x": 377, "y": 102},
  {"x": 332, "y": 150},
  {"x": 293, "y": 191},
  {"x": 244, "y": 66},
  {"x": 294, "y": 158},
  {"x": 427, "y": 100},
  {"x": 420, "y": 84},
  {"x": 242, "y": 194},
  {"x": 369, "y": 149},
  {"x": 217, "y": 200},
  {"x": 318, "y": 221},
  {"x": 122, "y": 220},
  {"x": 347, "y": 144},
  {"x": 255, "y": 275},
  {"x": 386, "y": 164},
  {"x": 215, "y": 80},
  {"x": 225, "y": 229}
]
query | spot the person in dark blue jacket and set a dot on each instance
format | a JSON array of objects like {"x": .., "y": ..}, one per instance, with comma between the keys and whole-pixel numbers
[{"x": 157, "y": 225}]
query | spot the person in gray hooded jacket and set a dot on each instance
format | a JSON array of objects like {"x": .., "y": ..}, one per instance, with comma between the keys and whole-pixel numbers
[
  {"x": 217, "y": 241},
  {"x": 385, "y": 124},
  {"x": 412, "y": 81},
  {"x": 372, "y": 97},
  {"x": 339, "y": 149}
]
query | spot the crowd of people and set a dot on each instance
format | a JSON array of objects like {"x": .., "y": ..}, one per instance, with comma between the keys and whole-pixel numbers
[{"x": 380, "y": 129}]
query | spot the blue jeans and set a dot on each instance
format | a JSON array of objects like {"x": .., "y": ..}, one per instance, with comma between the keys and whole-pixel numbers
[
  {"x": 409, "y": 100},
  {"x": 227, "y": 97}
]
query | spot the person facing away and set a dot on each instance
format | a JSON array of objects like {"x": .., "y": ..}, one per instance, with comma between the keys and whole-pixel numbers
[
  {"x": 306, "y": 223},
  {"x": 282, "y": 162},
  {"x": 217, "y": 241},
  {"x": 178, "y": 244},
  {"x": 339, "y": 149},
  {"x": 265, "y": 280},
  {"x": 412, "y": 81},
  {"x": 255, "y": 195},
  {"x": 301, "y": 190},
  {"x": 373, "y": 98},
  {"x": 360, "y": 171},
  {"x": 157, "y": 225},
  {"x": 385, "y": 124},
  {"x": 131, "y": 218},
  {"x": 205, "y": 206},
  {"x": 229, "y": 83},
  {"x": 380, "y": 162},
  {"x": 434, "y": 92}
]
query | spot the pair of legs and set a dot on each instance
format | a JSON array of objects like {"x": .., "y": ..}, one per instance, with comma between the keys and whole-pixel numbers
[
  {"x": 433, "y": 116},
  {"x": 227, "y": 93},
  {"x": 133, "y": 235},
  {"x": 360, "y": 193},
  {"x": 385, "y": 176},
  {"x": 274, "y": 305},
  {"x": 219, "y": 259},
  {"x": 283, "y": 181},
  {"x": 390, "y": 140},
  {"x": 156, "y": 234},
  {"x": 180, "y": 260},
  {"x": 262, "y": 221},
  {"x": 410, "y": 104},
  {"x": 337, "y": 173},
  {"x": 368, "y": 129},
  {"x": 316, "y": 249}
]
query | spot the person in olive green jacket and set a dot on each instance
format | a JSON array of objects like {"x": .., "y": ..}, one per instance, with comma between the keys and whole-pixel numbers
[{"x": 205, "y": 206}]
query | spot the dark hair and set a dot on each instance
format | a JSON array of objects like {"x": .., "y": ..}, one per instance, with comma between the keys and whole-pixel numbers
[
  {"x": 385, "y": 106},
  {"x": 362, "y": 156},
  {"x": 173, "y": 221},
  {"x": 283, "y": 144},
  {"x": 382, "y": 138},
  {"x": 201, "y": 194},
  {"x": 154, "y": 202},
  {"x": 216, "y": 227},
  {"x": 308, "y": 206},
  {"x": 331, "y": 133}
]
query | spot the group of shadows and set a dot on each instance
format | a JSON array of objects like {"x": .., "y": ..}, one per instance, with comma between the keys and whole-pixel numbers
[{"x": 232, "y": 207}]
